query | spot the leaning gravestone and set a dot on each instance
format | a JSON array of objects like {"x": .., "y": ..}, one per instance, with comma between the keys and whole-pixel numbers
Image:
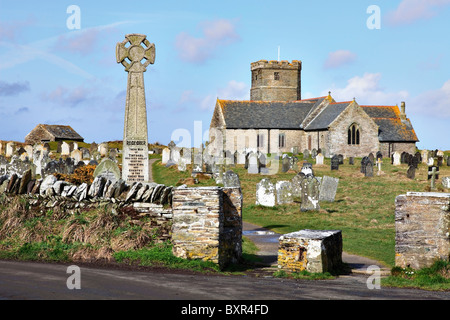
[
  {"x": 135, "y": 140},
  {"x": 107, "y": 169},
  {"x": 265, "y": 193},
  {"x": 328, "y": 189},
  {"x": 411, "y": 173}
]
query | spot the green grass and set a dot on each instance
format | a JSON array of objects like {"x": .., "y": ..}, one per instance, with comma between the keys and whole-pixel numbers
[
  {"x": 436, "y": 277},
  {"x": 364, "y": 207},
  {"x": 303, "y": 275},
  {"x": 161, "y": 256}
]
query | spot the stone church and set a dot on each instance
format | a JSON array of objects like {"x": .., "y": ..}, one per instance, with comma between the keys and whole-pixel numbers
[{"x": 276, "y": 119}]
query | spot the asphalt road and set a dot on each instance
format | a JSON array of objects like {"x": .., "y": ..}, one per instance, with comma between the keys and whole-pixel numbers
[{"x": 36, "y": 281}]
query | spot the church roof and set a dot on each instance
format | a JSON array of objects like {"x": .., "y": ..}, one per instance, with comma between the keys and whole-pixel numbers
[
  {"x": 265, "y": 114},
  {"x": 391, "y": 127},
  {"x": 327, "y": 116}
]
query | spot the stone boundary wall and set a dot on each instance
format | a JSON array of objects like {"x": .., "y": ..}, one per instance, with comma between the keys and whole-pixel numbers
[
  {"x": 202, "y": 223},
  {"x": 422, "y": 225}
]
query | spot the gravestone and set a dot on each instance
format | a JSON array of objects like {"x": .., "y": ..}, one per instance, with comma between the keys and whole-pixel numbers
[
  {"x": 328, "y": 189},
  {"x": 433, "y": 175},
  {"x": 65, "y": 149},
  {"x": 424, "y": 156},
  {"x": 430, "y": 161},
  {"x": 313, "y": 153},
  {"x": 411, "y": 172},
  {"x": 107, "y": 169},
  {"x": 440, "y": 161},
  {"x": 307, "y": 169},
  {"x": 446, "y": 182},
  {"x": 296, "y": 187},
  {"x": 165, "y": 156},
  {"x": 231, "y": 179},
  {"x": 265, "y": 193},
  {"x": 368, "y": 169},
  {"x": 310, "y": 187},
  {"x": 379, "y": 155},
  {"x": 306, "y": 154},
  {"x": 286, "y": 164},
  {"x": 448, "y": 161},
  {"x": 341, "y": 158},
  {"x": 335, "y": 163},
  {"x": 253, "y": 164},
  {"x": 371, "y": 157},
  {"x": 284, "y": 192},
  {"x": 319, "y": 159},
  {"x": 396, "y": 158},
  {"x": 135, "y": 141},
  {"x": 351, "y": 160}
]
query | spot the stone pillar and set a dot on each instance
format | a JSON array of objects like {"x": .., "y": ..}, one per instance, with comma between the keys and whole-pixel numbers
[
  {"x": 422, "y": 225},
  {"x": 207, "y": 224}
]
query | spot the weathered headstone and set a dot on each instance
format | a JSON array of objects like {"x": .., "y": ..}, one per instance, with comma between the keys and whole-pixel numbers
[
  {"x": 424, "y": 156},
  {"x": 284, "y": 192},
  {"x": 306, "y": 154},
  {"x": 253, "y": 163},
  {"x": 107, "y": 169},
  {"x": 65, "y": 149},
  {"x": 446, "y": 182},
  {"x": 231, "y": 179},
  {"x": 328, "y": 189},
  {"x": 265, "y": 193},
  {"x": 135, "y": 140},
  {"x": 335, "y": 163},
  {"x": 411, "y": 172},
  {"x": 351, "y": 160},
  {"x": 310, "y": 194},
  {"x": 368, "y": 169},
  {"x": 286, "y": 164}
]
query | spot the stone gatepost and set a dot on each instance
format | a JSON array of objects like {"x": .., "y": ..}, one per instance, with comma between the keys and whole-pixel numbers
[
  {"x": 422, "y": 225},
  {"x": 207, "y": 224}
]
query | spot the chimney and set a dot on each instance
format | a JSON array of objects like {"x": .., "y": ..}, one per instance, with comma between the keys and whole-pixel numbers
[{"x": 402, "y": 111}]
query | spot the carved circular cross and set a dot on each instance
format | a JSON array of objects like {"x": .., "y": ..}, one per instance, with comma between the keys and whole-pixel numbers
[{"x": 140, "y": 48}]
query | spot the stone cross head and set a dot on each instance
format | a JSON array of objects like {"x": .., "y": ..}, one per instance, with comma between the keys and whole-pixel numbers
[{"x": 133, "y": 56}]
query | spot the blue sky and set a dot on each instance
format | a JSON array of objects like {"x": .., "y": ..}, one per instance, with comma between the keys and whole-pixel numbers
[{"x": 55, "y": 75}]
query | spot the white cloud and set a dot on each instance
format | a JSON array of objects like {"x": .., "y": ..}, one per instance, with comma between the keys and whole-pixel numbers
[
  {"x": 339, "y": 58},
  {"x": 367, "y": 90},
  {"x": 409, "y": 11},
  {"x": 433, "y": 102},
  {"x": 215, "y": 34}
]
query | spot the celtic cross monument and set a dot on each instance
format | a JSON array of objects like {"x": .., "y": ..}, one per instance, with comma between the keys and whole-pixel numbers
[{"x": 135, "y": 53}]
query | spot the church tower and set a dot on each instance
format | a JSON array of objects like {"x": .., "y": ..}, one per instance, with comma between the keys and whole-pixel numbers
[{"x": 276, "y": 80}]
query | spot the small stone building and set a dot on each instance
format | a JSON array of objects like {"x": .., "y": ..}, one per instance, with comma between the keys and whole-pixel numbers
[
  {"x": 45, "y": 133},
  {"x": 276, "y": 119}
]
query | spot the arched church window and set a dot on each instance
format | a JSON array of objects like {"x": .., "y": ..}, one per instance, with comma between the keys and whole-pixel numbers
[{"x": 353, "y": 134}]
